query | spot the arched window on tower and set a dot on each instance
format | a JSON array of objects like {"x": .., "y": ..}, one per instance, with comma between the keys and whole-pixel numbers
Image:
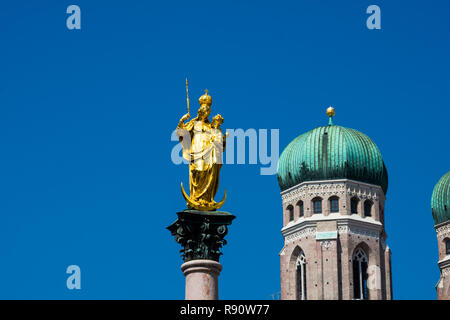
[
  {"x": 290, "y": 210},
  {"x": 300, "y": 208},
  {"x": 447, "y": 246},
  {"x": 317, "y": 205},
  {"x": 360, "y": 262},
  {"x": 300, "y": 275},
  {"x": 334, "y": 204},
  {"x": 354, "y": 205},
  {"x": 368, "y": 208}
]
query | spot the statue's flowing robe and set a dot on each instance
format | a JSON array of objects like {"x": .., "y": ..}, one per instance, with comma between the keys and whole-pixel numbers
[{"x": 204, "y": 159}]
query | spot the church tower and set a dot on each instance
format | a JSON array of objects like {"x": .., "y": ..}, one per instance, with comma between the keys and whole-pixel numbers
[
  {"x": 333, "y": 184},
  {"x": 440, "y": 208}
]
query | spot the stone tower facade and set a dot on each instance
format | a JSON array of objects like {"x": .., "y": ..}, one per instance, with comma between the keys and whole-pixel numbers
[
  {"x": 440, "y": 208},
  {"x": 334, "y": 242},
  {"x": 333, "y": 183},
  {"x": 443, "y": 236}
]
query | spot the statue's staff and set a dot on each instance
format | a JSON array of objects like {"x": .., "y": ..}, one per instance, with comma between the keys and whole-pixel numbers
[{"x": 187, "y": 95}]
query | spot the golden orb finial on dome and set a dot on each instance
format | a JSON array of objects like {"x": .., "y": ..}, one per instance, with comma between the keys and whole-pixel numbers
[
  {"x": 331, "y": 112},
  {"x": 205, "y": 99}
]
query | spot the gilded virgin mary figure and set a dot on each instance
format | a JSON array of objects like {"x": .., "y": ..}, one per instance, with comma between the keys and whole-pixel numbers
[{"x": 203, "y": 143}]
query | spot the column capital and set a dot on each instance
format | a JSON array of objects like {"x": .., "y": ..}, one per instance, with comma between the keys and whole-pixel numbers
[{"x": 201, "y": 233}]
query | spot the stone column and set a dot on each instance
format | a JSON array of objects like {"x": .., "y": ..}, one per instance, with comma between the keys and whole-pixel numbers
[
  {"x": 201, "y": 235},
  {"x": 201, "y": 279},
  {"x": 387, "y": 272}
]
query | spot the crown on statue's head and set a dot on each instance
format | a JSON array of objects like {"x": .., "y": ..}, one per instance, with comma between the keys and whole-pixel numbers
[{"x": 205, "y": 99}]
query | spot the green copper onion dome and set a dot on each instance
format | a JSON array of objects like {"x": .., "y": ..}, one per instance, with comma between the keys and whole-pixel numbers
[
  {"x": 440, "y": 200},
  {"x": 331, "y": 152}
]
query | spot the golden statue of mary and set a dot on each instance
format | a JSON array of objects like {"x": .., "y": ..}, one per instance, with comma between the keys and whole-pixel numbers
[{"x": 203, "y": 143}]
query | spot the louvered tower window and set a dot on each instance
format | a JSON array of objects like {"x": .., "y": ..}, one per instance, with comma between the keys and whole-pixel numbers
[
  {"x": 360, "y": 262},
  {"x": 301, "y": 276}
]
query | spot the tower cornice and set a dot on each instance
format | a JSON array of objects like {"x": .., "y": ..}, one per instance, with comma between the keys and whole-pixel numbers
[
  {"x": 332, "y": 187},
  {"x": 345, "y": 224}
]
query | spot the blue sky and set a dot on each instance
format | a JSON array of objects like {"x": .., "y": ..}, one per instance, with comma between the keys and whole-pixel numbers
[{"x": 86, "y": 116}]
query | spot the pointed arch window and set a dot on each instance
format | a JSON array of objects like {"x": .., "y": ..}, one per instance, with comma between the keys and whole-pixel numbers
[
  {"x": 354, "y": 205},
  {"x": 300, "y": 276},
  {"x": 360, "y": 263},
  {"x": 367, "y": 208},
  {"x": 300, "y": 208},
  {"x": 317, "y": 205}
]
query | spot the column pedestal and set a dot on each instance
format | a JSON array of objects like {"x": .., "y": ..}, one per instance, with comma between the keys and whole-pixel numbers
[{"x": 202, "y": 279}]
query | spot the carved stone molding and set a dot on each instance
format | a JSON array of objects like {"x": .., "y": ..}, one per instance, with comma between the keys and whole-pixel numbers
[
  {"x": 304, "y": 232},
  {"x": 345, "y": 226},
  {"x": 308, "y": 189},
  {"x": 359, "y": 231},
  {"x": 445, "y": 271},
  {"x": 362, "y": 192},
  {"x": 443, "y": 231},
  {"x": 327, "y": 189},
  {"x": 295, "y": 194},
  {"x": 330, "y": 188},
  {"x": 326, "y": 244}
]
